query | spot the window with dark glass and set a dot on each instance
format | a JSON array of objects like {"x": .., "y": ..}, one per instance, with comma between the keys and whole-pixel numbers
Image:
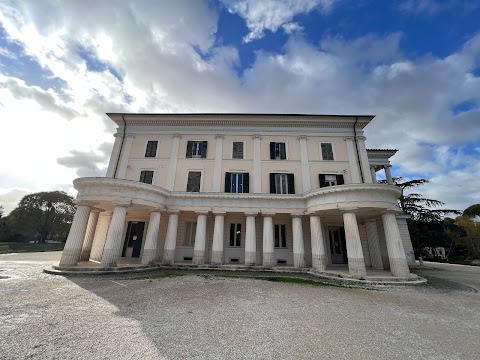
[
  {"x": 196, "y": 149},
  {"x": 237, "y": 182},
  {"x": 330, "y": 180},
  {"x": 327, "y": 151},
  {"x": 146, "y": 176},
  {"x": 235, "y": 234},
  {"x": 237, "y": 150},
  {"x": 151, "y": 150},
  {"x": 193, "y": 181},
  {"x": 280, "y": 236},
  {"x": 282, "y": 183},
  {"x": 278, "y": 151},
  {"x": 190, "y": 231}
]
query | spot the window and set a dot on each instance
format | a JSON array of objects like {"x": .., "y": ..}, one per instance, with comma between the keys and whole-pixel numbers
[
  {"x": 327, "y": 151},
  {"x": 193, "y": 181},
  {"x": 280, "y": 237},
  {"x": 235, "y": 234},
  {"x": 237, "y": 150},
  {"x": 282, "y": 184},
  {"x": 278, "y": 151},
  {"x": 190, "y": 231},
  {"x": 151, "y": 150},
  {"x": 237, "y": 182},
  {"x": 196, "y": 149},
  {"x": 146, "y": 176},
  {"x": 330, "y": 180}
]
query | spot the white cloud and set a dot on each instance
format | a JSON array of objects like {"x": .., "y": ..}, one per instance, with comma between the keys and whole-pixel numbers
[
  {"x": 9, "y": 198},
  {"x": 273, "y": 14}
]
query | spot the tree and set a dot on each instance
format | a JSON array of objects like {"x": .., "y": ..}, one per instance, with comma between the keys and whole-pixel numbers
[
  {"x": 472, "y": 211},
  {"x": 471, "y": 239},
  {"x": 43, "y": 214},
  {"x": 1, "y": 212}
]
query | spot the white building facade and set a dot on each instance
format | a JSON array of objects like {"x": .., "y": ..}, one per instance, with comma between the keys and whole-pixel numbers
[{"x": 249, "y": 189}]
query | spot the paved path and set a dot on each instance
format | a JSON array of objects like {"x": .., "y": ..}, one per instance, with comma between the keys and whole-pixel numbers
[
  {"x": 110, "y": 317},
  {"x": 463, "y": 274}
]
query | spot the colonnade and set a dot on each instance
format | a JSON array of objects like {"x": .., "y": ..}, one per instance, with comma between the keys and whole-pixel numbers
[{"x": 80, "y": 238}]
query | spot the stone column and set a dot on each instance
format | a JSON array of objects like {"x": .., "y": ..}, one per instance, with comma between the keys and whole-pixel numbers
[
  {"x": 352, "y": 160},
  {"x": 373, "y": 174},
  {"x": 250, "y": 240},
  {"x": 367, "y": 176},
  {"x": 257, "y": 165},
  {"x": 319, "y": 259},
  {"x": 124, "y": 156},
  {"x": 200, "y": 239},
  {"x": 89, "y": 235},
  {"x": 388, "y": 174},
  {"x": 396, "y": 253},
  {"x": 103, "y": 224},
  {"x": 150, "y": 247},
  {"x": 298, "y": 245},
  {"x": 170, "y": 239},
  {"x": 268, "y": 245},
  {"x": 374, "y": 244},
  {"x": 112, "y": 248},
  {"x": 356, "y": 261},
  {"x": 306, "y": 183},
  {"x": 73, "y": 247},
  {"x": 217, "y": 246},
  {"x": 172, "y": 164},
  {"x": 217, "y": 172},
  {"x": 115, "y": 153}
]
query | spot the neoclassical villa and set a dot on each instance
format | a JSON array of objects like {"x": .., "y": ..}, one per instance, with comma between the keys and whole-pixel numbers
[{"x": 256, "y": 190}]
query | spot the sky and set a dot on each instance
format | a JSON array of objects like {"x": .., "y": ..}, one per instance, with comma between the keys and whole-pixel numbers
[{"x": 415, "y": 64}]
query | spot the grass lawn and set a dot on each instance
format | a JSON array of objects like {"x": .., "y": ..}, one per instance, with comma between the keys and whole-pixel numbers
[{"x": 27, "y": 247}]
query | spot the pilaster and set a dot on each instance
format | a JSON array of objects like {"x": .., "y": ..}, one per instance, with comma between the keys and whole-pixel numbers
[
  {"x": 257, "y": 164},
  {"x": 124, "y": 156},
  {"x": 217, "y": 172},
  {"x": 352, "y": 161},
  {"x": 367, "y": 175},
  {"x": 306, "y": 183},
  {"x": 172, "y": 164}
]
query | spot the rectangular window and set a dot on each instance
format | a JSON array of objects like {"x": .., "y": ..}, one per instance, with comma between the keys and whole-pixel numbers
[
  {"x": 282, "y": 184},
  {"x": 327, "y": 151},
  {"x": 190, "y": 231},
  {"x": 237, "y": 150},
  {"x": 278, "y": 151},
  {"x": 196, "y": 149},
  {"x": 146, "y": 176},
  {"x": 330, "y": 180},
  {"x": 237, "y": 182},
  {"x": 151, "y": 150},
  {"x": 235, "y": 234},
  {"x": 280, "y": 236},
  {"x": 193, "y": 181}
]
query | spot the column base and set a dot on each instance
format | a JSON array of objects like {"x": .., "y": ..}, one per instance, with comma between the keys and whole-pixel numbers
[
  {"x": 399, "y": 267},
  {"x": 319, "y": 262},
  {"x": 217, "y": 258},
  {"x": 168, "y": 257},
  {"x": 148, "y": 257},
  {"x": 85, "y": 256},
  {"x": 268, "y": 260},
  {"x": 70, "y": 257},
  {"x": 109, "y": 258},
  {"x": 356, "y": 267},
  {"x": 198, "y": 257},
  {"x": 299, "y": 260},
  {"x": 250, "y": 258}
]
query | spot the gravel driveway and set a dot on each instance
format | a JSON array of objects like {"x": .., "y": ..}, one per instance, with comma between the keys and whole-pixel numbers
[{"x": 109, "y": 317}]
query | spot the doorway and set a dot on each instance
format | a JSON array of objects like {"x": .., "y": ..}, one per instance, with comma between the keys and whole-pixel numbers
[
  {"x": 133, "y": 239},
  {"x": 338, "y": 245}
]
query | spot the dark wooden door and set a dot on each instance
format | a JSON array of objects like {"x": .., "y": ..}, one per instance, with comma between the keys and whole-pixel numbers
[{"x": 134, "y": 238}]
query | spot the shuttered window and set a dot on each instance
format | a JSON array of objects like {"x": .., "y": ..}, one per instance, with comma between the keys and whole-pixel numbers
[
  {"x": 278, "y": 151},
  {"x": 280, "y": 236},
  {"x": 282, "y": 183},
  {"x": 196, "y": 149},
  {"x": 235, "y": 234},
  {"x": 193, "y": 182},
  {"x": 327, "y": 151},
  {"x": 237, "y": 150},
  {"x": 151, "y": 150},
  {"x": 330, "y": 180},
  {"x": 237, "y": 182},
  {"x": 146, "y": 176}
]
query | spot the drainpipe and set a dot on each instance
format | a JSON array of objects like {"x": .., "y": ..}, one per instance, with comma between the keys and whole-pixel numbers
[
  {"x": 121, "y": 145},
  {"x": 356, "y": 147}
]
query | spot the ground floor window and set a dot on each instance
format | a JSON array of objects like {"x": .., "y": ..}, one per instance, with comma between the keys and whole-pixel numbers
[
  {"x": 280, "y": 236},
  {"x": 235, "y": 234},
  {"x": 190, "y": 231}
]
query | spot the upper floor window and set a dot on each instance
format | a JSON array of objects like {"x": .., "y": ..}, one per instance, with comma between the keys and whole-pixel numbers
[
  {"x": 190, "y": 231},
  {"x": 146, "y": 176},
  {"x": 235, "y": 234},
  {"x": 278, "y": 151},
  {"x": 330, "y": 180},
  {"x": 237, "y": 182},
  {"x": 151, "y": 150},
  {"x": 280, "y": 236},
  {"x": 282, "y": 184},
  {"x": 327, "y": 151},
  {"x": 196, "y": 149},
  {"x": 237, "y": 150},
  {"x": 193, "y": 181}
]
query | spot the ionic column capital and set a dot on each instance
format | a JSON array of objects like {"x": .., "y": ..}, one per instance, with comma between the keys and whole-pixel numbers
[
  {"x": 177, "y": 135},
  {"x": 130, "y": 135},
  {"x": 257, "y": 136},
  {"x": 267, "y": 214},
  {"x": 202, "y": 212},
  {"x": 251, "y": 213},
  {"x": 361, "y": 138},
  {"x": 219, "y": 213},
  {"x": 219, "y": 136},
  {"x": 302, "y": 137}
]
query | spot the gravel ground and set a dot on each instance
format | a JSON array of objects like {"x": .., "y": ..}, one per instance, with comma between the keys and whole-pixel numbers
[{"x": 204, "y": 317}]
